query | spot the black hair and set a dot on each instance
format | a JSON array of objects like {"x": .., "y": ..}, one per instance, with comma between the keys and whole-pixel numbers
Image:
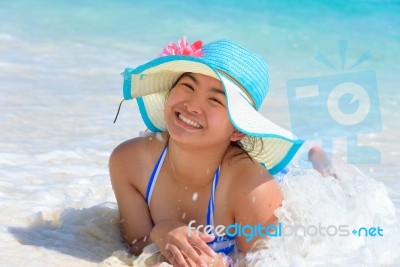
[{"x": 249, "y": 147}]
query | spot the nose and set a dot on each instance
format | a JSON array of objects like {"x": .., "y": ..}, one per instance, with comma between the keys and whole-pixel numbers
[{"x": 193, "y": 105}]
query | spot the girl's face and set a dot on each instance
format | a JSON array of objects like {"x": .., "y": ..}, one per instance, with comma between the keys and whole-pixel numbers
[{"x": 196, "y": 111}]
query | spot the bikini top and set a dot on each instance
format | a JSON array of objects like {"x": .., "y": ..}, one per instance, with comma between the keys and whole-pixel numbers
[{"x": 221, "y": 244}]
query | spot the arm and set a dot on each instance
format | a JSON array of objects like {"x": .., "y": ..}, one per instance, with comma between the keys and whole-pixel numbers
[
  {"x": 260, "y": 197},
  {"x": 135, "y": 217}
]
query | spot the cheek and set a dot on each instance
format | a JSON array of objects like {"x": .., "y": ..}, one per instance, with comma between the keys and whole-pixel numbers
[
  {"x": 221, "y": 121},
  {"x": 167, "y": 108},
  {"x": 170, "y": 102},
  {"x": 173, "y": 97}
]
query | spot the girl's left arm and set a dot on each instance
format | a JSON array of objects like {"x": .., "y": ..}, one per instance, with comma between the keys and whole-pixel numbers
[{"x": 255, "y": 209}]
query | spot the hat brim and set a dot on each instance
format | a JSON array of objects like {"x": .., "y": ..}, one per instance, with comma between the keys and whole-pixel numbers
[{"x": 149, "y": 84}]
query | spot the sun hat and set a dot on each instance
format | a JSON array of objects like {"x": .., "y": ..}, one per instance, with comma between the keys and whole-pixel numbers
[{"x": 244, "y": 76}]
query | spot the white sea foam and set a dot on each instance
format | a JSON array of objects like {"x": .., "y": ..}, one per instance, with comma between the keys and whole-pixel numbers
[
  {"x": 311, "y": 200},
  {"x": 47, "y": 215}
]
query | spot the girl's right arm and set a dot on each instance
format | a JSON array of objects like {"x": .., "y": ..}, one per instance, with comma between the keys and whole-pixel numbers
[{"x": 136, "y": 223}]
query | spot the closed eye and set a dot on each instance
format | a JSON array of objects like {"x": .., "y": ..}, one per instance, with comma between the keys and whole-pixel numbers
[
  {"x": 188, "y": 85},
  {"x": 216, "y": 101}
]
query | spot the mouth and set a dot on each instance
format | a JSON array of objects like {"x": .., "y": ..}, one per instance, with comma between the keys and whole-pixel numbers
[{"x": 189, "y": 122}]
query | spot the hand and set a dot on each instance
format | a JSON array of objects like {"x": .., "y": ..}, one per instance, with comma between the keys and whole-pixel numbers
[{"x": 174, "y": 242}]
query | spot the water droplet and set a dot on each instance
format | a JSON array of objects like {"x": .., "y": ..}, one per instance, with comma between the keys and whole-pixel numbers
[
  {"x": 134, "y": 241},
  {"x": 184, "y": 215},
  {"x": 144, "y": 239},
  {"x": 159, "y": 137},
  {"x": 195, "y": 196}
]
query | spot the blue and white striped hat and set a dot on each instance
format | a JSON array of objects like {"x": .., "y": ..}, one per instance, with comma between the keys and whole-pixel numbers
[{"x": 244, "y": 76}]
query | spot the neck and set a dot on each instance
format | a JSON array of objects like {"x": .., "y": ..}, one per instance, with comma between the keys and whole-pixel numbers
[{"x": 193, "y": 167}]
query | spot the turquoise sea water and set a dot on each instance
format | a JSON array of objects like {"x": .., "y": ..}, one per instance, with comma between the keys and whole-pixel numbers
[
  {"x": 291, "y": 26},
  {"x": 60, "y": 85},
  {"x": 92, "y": 37}
]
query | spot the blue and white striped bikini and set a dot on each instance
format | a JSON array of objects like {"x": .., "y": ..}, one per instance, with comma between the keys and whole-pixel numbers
[{"x": 221, "y": 244}]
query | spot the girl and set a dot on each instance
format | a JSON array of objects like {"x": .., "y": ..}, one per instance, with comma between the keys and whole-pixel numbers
[{"x": 211, "y": 161}]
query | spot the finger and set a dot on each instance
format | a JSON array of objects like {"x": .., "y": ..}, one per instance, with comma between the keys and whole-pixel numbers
[
  {"x": 170, "y": 258},
  {"x": 193, "y": 256},
  {"x": 177, "y": 256},
  {"x": 202, "y": 245},
  {"x": 174, "y": 263},
  {"x": 206, "y": 238},
  {"x": 168, "y": 255}
]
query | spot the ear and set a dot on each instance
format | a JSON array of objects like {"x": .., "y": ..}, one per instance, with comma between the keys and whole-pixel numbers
[{"x": 237, "y": 136}]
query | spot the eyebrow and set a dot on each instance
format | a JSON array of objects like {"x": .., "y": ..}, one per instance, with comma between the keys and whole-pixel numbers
[
  {"x": 213, "y": 89},
  {"x": 188, "y": 74},
  {"x": 218, "y": 91}
]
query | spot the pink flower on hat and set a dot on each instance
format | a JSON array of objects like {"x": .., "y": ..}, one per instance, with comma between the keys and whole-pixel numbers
[{"x": 183, "y": 48}]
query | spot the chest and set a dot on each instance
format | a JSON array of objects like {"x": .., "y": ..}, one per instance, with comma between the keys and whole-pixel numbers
[{"x": 182, "y": 203}]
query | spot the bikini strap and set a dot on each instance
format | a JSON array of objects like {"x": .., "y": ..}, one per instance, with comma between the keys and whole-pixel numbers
[
  {"x": 154, "y": 176},
  {"x": 210, "y": 209}
]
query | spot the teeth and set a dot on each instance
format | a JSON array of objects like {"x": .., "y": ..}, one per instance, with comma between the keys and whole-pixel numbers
[{"x": 189, "y": 122}]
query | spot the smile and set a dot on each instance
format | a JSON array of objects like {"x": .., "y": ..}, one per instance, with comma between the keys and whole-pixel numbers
[{"x": 189, "y": 122}]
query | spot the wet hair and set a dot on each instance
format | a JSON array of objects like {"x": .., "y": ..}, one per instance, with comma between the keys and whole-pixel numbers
[{"x": 249, "y": 147}]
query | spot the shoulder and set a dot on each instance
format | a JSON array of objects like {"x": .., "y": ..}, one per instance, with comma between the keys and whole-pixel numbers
[
  {"x": 255, "y": 195},
  {"x": 133, "y": 160},
  {"x": 245, "y": 173},
  {"x": 140, "y": 148},
  {"x": 252, "y": 180}
]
